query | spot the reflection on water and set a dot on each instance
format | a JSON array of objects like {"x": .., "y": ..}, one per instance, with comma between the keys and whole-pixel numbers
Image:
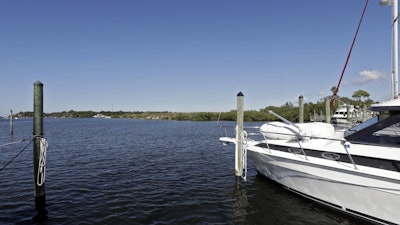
[{"x": 241, "y": 203}]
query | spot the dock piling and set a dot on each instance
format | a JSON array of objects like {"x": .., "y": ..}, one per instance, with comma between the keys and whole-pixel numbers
[
  {"x": 239, "y": 138},
  {"x": 301, "y": 109},
  {"x": 348, "y": 112},
  {"x": 39, "y": 190},
  {"x": 11, "y": 122},
  {"x": 327, "y": 111}
]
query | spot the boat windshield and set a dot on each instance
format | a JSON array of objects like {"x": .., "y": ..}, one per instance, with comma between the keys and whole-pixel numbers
[{"x": 382, "y": 132}]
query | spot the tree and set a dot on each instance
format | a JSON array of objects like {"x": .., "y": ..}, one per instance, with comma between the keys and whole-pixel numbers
[{"x": 360, "y": 94}]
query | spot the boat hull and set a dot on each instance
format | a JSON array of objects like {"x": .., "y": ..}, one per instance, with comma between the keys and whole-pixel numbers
[{"x": 367, "y": 202}]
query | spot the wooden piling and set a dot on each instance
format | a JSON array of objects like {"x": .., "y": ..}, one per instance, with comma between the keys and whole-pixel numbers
[
  {"x": 364, "y": 114},
  {"x": 301, "y": 109},
  {"x": 11, "y": 122},
  {"x": 327, "y": 111},
  {"x": 348, "y": 112},
  {"x": 39, "y": 191},
  {"x": 239, "y": 133}
]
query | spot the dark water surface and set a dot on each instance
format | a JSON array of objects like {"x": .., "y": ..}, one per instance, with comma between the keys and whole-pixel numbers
[{"x": 123, "y": 171}]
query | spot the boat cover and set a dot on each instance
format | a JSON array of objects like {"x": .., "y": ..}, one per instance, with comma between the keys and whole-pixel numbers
[{"x": 280, "y": 130}]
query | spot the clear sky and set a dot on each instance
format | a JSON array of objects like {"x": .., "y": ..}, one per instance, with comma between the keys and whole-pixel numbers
[{"x": 188, "y": 55}]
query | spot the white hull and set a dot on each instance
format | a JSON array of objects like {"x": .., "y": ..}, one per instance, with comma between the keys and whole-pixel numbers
[
  {"x": 369, "y": 197},
  {"x": 340, "y": 121}
]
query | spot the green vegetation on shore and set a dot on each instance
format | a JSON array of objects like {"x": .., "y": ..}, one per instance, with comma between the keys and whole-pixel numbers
[{"x": 288, "y": 110}]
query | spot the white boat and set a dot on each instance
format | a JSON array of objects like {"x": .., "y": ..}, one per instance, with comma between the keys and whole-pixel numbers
[
  {"x": 358, "y": 174},
  {"x": 350, "y": 115},
  {"x": 101, "y": 116},
  {"x": 355, "y": 171},
  {"x": 346, "y": 114}
]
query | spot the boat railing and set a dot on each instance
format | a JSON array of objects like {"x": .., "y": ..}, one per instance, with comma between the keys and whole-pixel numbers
[
  {"x": 229, "y": 130},
  {"x": 226, "y": 130},
  {"x": 253, "y": 133},
  {"x": 298, "y": 138}
]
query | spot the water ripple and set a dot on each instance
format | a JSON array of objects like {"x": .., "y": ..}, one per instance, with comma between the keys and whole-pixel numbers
[{"x": 123, "y": 171}]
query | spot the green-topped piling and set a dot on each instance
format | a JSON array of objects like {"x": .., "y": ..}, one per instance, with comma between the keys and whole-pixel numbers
[
  {"x": 39, "y": 190},
  {"x": 11, "y": 122},
  {"x": 301, "y": 109}
]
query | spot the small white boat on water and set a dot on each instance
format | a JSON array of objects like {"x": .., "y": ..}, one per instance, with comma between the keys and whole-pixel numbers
[
  {"x": 101, "y": 116},
  {"x": 354, "y": 171}
]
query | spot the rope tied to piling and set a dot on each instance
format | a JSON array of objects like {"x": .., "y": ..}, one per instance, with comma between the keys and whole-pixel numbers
[
  {"x": 41, "y": 175},
  {"x": 30, "y": 139},
  {"x": 243, "y": 136}
]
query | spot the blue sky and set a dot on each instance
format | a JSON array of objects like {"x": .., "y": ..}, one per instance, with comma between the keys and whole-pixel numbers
[{"x": 188, "y": 55}]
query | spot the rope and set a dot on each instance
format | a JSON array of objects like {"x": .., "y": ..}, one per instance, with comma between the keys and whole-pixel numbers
[
  {"x": 19, "y": 153},
  {"x": 348, "y": 55},
  {"x": 41, "y": 175},
  {"x": 14, "y": 142},
  {"x": 243, "y": 136}
]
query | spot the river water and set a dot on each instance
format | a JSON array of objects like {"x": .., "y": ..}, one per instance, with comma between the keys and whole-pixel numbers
[{"x": 125, "y": 171}]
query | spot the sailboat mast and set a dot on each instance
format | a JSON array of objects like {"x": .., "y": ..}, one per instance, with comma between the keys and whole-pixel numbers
[
  {"x": 395, "y": 51},
  {"x": 395, "y": 71}
]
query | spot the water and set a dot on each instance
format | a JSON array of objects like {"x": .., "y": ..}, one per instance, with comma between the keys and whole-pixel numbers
[{"x": 124, "y": 171}]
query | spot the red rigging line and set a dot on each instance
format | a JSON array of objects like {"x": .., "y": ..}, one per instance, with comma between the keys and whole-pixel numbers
[{"x": 348, "y": 55}]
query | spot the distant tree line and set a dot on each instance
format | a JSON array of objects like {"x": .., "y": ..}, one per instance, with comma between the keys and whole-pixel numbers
[{"x": 287, "y": 110}]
